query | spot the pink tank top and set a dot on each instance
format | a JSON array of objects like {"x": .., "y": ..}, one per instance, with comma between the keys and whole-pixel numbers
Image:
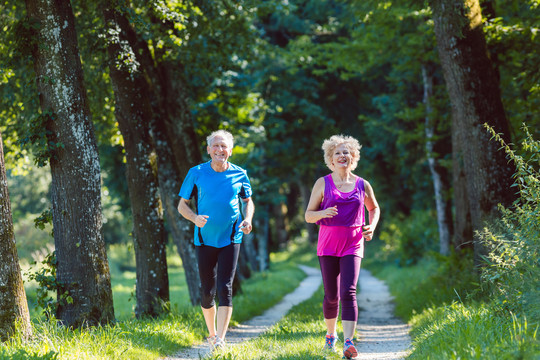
[
  {"x": 350, "y": 205},
  {"x": 342, "y": 234}
]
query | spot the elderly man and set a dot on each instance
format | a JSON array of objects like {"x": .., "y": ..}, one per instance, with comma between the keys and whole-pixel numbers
[{"x": 217, "y": 187}]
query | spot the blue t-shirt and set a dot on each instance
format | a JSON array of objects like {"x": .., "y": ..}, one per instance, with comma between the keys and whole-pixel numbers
[{"x": 217, "y": 194}]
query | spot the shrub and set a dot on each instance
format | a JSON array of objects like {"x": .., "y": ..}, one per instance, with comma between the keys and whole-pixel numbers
[
  {"x": 407, "y": 240},
  {"x": 513, "y": 271}
]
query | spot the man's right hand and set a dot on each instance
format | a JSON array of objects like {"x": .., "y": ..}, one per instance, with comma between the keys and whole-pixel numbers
[{"x": 201, "y": 220}]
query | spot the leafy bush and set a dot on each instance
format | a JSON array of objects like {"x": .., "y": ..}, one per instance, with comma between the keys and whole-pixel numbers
[
  {"x": 513, "y": 271},
  {"x": 434, "y": 281},
  {"x": 409, "y": 239}
]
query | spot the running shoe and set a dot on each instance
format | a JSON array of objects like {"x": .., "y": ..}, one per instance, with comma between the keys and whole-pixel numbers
[
  {"x": 215, "y": 342},
  {"x": 349, "y": 351},
  {"x": 330, "y": 342},
  {"x": 211, "y": 340},
  {"x": 219, "y": 344}
]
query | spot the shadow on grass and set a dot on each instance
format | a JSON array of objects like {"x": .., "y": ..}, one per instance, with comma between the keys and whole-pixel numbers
[{"x": 22, "y": 354}]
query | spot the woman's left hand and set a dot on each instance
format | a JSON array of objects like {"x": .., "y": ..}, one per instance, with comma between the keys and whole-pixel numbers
[
  {"x": 367, "y": 232},
  {"x": 245, "y": 226}
]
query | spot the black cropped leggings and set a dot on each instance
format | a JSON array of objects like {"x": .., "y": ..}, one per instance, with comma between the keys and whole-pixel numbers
[{"x": 217, "y": 267}]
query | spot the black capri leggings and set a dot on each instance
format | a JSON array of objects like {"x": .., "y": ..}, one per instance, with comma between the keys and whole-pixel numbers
[{"x": 220, "y": 264}]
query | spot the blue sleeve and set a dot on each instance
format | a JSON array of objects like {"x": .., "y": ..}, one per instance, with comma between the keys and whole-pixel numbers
[
  {"x": 187, "y": 186},
  {"x": 245, "y": 192}
]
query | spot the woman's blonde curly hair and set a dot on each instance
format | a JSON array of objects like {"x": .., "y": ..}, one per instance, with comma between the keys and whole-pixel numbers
[{"x": 329, "y": 145}]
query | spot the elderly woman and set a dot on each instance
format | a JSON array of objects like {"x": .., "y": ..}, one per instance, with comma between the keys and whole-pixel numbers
[
  {"x": 337, "y": 204},
  {"x": 217, "y": 187}
]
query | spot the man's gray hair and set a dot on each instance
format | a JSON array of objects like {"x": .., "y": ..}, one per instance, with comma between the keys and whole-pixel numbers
[{"x": 224, "y": 134}]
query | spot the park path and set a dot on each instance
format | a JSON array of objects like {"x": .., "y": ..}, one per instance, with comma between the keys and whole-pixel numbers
[{"x": 381, "y": 335}]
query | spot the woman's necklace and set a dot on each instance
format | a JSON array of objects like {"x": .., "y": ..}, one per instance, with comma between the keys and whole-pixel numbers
[{"x": 343, "y": 182}]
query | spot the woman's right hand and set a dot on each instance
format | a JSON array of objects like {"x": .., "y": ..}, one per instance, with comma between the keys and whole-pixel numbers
[{"x": 329, "y": 212}]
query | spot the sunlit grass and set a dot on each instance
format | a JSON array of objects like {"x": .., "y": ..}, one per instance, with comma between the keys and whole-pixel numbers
[
  {"x": 472, "y": 331},
  {"x": 130, "y": 338},
  {"x": 442, "y": 304},
  {"x": 299, "y": 335}
]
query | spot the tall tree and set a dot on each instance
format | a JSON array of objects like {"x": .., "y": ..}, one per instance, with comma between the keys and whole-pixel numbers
[
  {"x": 473, "y": 87},
  {"x": 134, "y": 115},
  {"x": 13, "y": 306},
  {"x": 174, "y": 140},
  {"x": 438, "y": 172},
  {"x": 84, "y": 293}
]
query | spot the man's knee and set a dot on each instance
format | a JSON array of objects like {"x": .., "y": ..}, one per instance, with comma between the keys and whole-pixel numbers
[
  {"x": 207, "y": 299},
  {"x": 225, "y": 295}
]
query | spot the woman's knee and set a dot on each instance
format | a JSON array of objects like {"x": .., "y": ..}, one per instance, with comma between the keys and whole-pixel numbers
[{"x": 331, "y": 300}]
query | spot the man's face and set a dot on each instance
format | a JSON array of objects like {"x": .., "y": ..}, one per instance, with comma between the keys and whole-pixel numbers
[{"x": 219, "y": 150}]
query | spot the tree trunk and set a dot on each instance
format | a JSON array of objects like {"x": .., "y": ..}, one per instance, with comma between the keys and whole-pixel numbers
[
  {"x": 463, "y": 230},
  {"x": 474, "y": 92},
  {"x": 177, "y": 149},
  {"x": 181, "y": 229},
  {"x": 263, "y": 238},
  {"x": 181, "y": 140},
  {"x": 444, "y": 219},
  {"x": 82, "y": 268},
  {"x": 134, "y": 115},
  {"x": 13, "y": 306},
  {"x": 311, "y": 228},
  {"x": 248, "y": 247},
  {"x": 280, "y": 226}
]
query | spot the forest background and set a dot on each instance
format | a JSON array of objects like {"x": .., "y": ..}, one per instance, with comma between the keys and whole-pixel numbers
[{"x": 151, "y": 79}]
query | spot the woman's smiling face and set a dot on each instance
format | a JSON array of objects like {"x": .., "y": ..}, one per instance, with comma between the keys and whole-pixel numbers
[{"x": 342, "y": 157}]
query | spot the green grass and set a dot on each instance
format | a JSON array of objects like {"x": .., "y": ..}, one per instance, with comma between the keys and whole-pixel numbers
[
  {"x": 429, "y": 283},
  {"x": 148, "y": 339},
  {"x": 299, "y": 335},
  {"x": 472, "y": 331},
  {"x": 451, "y": 318}
]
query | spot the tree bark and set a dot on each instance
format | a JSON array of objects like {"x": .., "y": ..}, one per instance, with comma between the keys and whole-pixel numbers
[
  {"x": 248, "y": 248},
  {"x": 177, "y": 122},
  {"x": 474, "y": 92},
  {"x": 443, "y": 206},
  {"x": 311, "y": 228},
  {"x": 263, "y": 238},
  {"x": 82, "y": 268},
  {"x": 134, "y": 115},
  {"x": 14, "y": 315},
  {"x": 281, "y": 234},
  {"x": 463, "y": 228},
  {"x": 176, "y": 146},
  {"x": 178, "y": 151}
]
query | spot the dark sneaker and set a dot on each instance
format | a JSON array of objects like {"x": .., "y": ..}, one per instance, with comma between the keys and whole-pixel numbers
[{"x": 349, "y": 351}]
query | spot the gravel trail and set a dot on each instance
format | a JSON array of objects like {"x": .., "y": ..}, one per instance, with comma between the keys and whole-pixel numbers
[{"x": 381, "y": 335}]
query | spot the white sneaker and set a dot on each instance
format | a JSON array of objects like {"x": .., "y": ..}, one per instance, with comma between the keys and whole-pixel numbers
[{"x": 215, "y": 342}]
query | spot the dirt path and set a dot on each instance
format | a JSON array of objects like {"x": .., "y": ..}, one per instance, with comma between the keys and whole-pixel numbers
[
  {"x": 382, "y": 336},
  {"x": 260, "y": 324}
]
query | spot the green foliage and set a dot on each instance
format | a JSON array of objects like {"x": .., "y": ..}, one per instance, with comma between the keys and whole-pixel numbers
[
  {"x": 434, "y": 281},
  {"x": 43, "y": 220},
  {"x": 512, "y": 36},
  {"x": 514, "y": 241},
  {"x": 472, "y": 331},
  {"x": 408, "y": 239},
  {"x": 45, "y": 276},
  {"x": 147, "y": 339}
]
